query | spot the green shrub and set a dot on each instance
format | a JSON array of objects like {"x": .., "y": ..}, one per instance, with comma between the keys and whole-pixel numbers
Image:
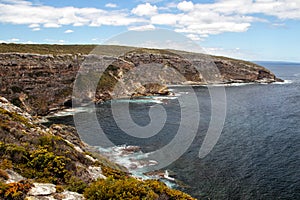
[
  {"x": 131, "y": 188},
  {"x": 15, "y": 117},
  {"x": 59, "y": 188},
  {"x": 75, "y": 184},
  {"x": 6, "y": 164},
  {"x": 111, "y": 188},
  {"x": 16, "y": 154},
  {"x": 48, "y": 165},
  {"x": 117, "y": 174},
  {"x": 160, "y": 188}
]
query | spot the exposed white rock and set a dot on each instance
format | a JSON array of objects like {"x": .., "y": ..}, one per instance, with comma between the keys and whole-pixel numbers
[
  {"x": 4, "y": 103},
  {"x": 77, "y": 148},
  {"x": 42, "y": 189},
  {"x": 41, "y": 198},
  {"x": 47, "y": 192},
  {"x": 96, "y": 172},
  {"x": 90, "y": 158},
  {"x": 13, "y": 176},
  {"x": 67, "y": 195}
]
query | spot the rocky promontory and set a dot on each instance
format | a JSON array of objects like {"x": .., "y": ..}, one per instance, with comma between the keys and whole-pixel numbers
[{"x": 41, "y": 83}]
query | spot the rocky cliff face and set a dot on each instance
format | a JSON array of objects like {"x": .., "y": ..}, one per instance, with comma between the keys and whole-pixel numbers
[
  {"x": 37, "y": 83},
  {"x": 44, "y": 83}
]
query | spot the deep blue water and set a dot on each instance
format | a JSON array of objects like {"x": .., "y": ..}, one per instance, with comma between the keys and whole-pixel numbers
[{"x": 258, "y": 153}]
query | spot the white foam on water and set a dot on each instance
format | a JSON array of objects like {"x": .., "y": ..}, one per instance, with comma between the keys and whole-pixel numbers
[
  {"x": 231, "y": 84},
  {"x": 284, "y": 82},
  {"x": 138, "y": 100},
  {"x": 70, "y": 111},
  {"x": 134, "y": 160},
  {"x": 164, "y": 97}
]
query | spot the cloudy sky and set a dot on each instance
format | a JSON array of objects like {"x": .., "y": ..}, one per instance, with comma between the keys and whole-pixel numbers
[{"x": 247, "y": 29}]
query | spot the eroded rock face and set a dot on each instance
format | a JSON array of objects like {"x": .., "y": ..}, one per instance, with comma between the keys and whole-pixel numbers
[
  {"x": 234, "y": 71},
  {"x": 41, "y": 84},
  {"x": 38, "y": 83}
]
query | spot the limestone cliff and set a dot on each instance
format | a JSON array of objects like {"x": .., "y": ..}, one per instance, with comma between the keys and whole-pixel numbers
[{"x": 43, "y": 83}]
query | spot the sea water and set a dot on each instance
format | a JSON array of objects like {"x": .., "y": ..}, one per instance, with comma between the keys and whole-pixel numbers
[{"x": 258, "y": 153}]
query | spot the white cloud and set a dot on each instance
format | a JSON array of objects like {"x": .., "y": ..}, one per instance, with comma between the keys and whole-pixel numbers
[
  {"x": 283, "y": 9},
  {"x": 20, "y": 2},
  {"x": 185, "y": 6},
  {"x": 194, "y": 19},
  {"x": 24, "y": 12},
  {"x": 194, "y": 37},
  {"x": 14, "y": 40},
  {"x": 215, "y": 28},
  {"x": 197, "y": 20},
  {"x": 165, "y": 19},
  {"x": 34, "y": 26},
  {"x": 52, "y": 25},
  {"x": 54, "y": 41},
  {"x": 168, "y": 7},
  {"x": 278, "y": 25},
  {"x": 233, "y": 53},
  {"x": 142, "y": 28},
  {"x": 69, "y": 31},
  {"x": 144, "y": 10},
  {"x": 150, "y": 1},
  {"x": 29, "y": 42},
  {"x": 111, "y": 5}
]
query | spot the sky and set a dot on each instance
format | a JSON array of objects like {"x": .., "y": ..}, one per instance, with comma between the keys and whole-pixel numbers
[{"x": 246, "y": 29}]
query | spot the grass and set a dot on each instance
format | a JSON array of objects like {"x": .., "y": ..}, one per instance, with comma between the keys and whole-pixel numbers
[
  {"x": 109, "y": 50},
  {"x": 56, "y": 49}
]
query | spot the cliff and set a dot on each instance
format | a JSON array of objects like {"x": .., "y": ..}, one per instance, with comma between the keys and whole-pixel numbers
[
  {"x": 41, "y": 83},
  {"x": 52, "y": 163}
]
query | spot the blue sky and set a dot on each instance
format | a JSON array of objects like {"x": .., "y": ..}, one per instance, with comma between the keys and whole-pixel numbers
[{"x": 246, "y": 29}]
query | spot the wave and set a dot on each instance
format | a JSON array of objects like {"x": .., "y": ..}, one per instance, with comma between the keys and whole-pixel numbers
[
  {"x": 234, "y": 84},
  {"x": 146, "y": 99},
  {"x": 134, "y": 160},
  {"x": 138, "y": 100},
  {"x": 70, "y": 111},
  {"x": 284, "y": 82}
]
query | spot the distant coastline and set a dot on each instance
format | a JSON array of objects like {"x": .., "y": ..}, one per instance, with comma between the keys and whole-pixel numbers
[{"x": 269, "y": 63}]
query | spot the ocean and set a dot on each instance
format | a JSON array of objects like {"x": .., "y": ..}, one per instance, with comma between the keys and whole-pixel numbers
[{"x": 257, "y": 155}]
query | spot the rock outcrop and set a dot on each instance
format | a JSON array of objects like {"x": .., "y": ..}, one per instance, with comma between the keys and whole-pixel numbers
[{"x": 41, "y": 84}]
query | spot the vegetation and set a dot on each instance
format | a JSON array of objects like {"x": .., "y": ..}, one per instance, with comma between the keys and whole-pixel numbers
[
  {"x": 12, "y": 116},
  {"x": 154, "y": 51},
  {"x": 131, "y": 188},
  {"x": 56, "y": 49},
  {"x": 14, "y": 191},
  {"x": 3, "y": 174}
]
